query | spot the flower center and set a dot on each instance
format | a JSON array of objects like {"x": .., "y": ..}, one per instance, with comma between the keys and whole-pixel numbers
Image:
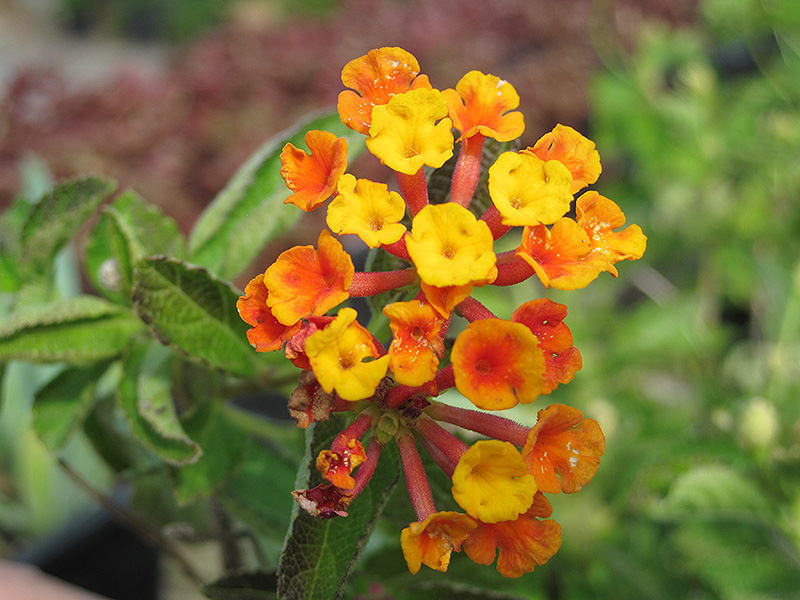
[
  {"x": 375, "y": 224},
  {"x": 346, "y": 362},
  {"x": 483, "y": 366}
]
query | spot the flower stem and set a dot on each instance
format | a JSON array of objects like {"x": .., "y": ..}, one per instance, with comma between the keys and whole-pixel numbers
[
  {"x": 445, "y": 378},
  {"x": 513, "y": 271},
  {"x": 419, "y": 490},
  {"x": 472, "y": 310},
  {"x": 494, "y": 426},
  {"x": 414, "y": 189},
  {"x": 449, "y": 447},
  {"x": 494, "y": 220},
  {"x": 367, "y": 468},
  {"x": 468, "y": 170},
  {"x": 399, "y": 248},
  {"x": 369, "y": 284}
]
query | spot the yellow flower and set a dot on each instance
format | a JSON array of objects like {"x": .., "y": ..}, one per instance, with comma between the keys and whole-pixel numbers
[
  {"x": 411, "y": 130},
  {"x": 573, "y": 150},
  {"x": 491, "y": 482},
  {"x": 367, "y": 209},
  {"x": 450, "y": 247},
  {"x": 529, "y": 191},
  {"x": 432, "y": 541},
  {"x": 337, "y": 355},
  {"x": 480, "y": 104}
]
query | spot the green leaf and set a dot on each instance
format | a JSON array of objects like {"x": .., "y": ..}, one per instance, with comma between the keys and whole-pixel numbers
[
  {"x": 127, "y": 231},
  {"x": 77, "y": 331},
  {"x": 224, "y": 449},
  {"x": 256, "y": 585},
  {"x": 319, "y": 554},
  {"x": 57, "y": 217},
  {"x": 189, "y": 309},
  {"x": 249, "y": 212},
  {"x": 145, "y": 395},
  {"x": 61, "y": 406}
]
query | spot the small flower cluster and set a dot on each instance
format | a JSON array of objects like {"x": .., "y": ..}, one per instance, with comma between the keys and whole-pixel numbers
[{"x": 496, "y": 363}]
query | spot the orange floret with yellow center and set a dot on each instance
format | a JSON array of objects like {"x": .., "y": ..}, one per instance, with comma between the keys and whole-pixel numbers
[
  {"x": 376, "y": 77},
  {"x": 412, "y": 130},
  {"x": 304, "y": 281},
  {"x": 574, "y": 151},
  {"x": 368, "y": 210},
  {"x": 563, "y": 443},
  {"x": 491, "y": 482},
  {"x": 450, "y": 247},
  {"x": 313, "y": 175},
  {"x": 341, "y": 356},
  {"x": 481, "y": 104},
  {"x": 529, "y": 191},
  {"x": 267, "y": 332},
  {"x": 497, "y": 364},
  {"x": 600, "y": 216},
  {"x": 337, "y": 467},
  {"x": 431, "y": 541},
  {"x": 523, "y": 543},
  {"x": 416, "y": 341}
]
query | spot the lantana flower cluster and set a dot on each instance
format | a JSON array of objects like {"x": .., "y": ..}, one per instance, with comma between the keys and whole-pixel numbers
[{"x": 390, "y": 387}]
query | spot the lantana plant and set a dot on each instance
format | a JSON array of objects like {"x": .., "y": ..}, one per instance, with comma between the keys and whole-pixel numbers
[{"x": 390, "y": 386}]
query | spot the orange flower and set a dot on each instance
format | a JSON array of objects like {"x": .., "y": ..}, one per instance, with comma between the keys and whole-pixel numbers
[
  {"x": 576, "y": 152},
  {"x": 599, "y": 216},
  {"x": 498, "y": 363},
  {"x": 303, "y": 281},
  {"x": 480, "y": 104},
  {"x": 523, "y": 543},
  {"x": 563, "y": 443},
  {"x": 267, "y": 333},
  {"x": 432, "y": 541},
  {"x": 545, "y": 319},
  {"x": 445, "y": 299},
  {"x": 562, "y": 255},
  {"x": 313, "y": 177},
  {"x": 337, "y": 467},
  {"x": 376, "y": 77},
  {"x": 416, "y": 344}
]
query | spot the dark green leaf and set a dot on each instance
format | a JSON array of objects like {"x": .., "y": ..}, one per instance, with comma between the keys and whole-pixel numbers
[
  {"x": 191, "y": 310},
  {"x": 61, "y": 406},
  {"x": 57, "y": 217},
  {"x": 249, "y": 212},
  {"x": 145, "y": 394},
  {"x": 77, "y": 331},
  {"x": 243, "y": 586},
  {"x": 319, "y": 554},
  {"x": 127, "y": 231},
  {"x": 224, "y": 449}
]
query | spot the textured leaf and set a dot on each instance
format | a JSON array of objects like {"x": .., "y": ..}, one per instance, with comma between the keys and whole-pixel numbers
[
  {"x": 127, "y": 231},
  {"x": 249, "y": 212},
  {"x": 61, "y": 406},
  {"x": 77, "y": 331},
  {"x": 145, "y": 394},
  {"x": 58, "y": 216},
  {"x": 191, "y": 310},
  {"x": 319, "y": 554}
]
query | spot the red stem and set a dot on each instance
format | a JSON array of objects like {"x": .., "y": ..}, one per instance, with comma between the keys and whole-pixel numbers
[
  {"x": 419, "y": 490},
  {"x": 414, "y": 189},
  {"x": 513, "y": 271},
  {"x": 472, "y": 310},
  {"x": 468, "y": 170},
  {"x": 367, "y": 468},
  {"x": 450, "y": 447},
  {"x": 369, "y": 284},
  {"x": 445, "y": 378},
  {"x": 354, "y": 431},
  {"x": 494, "y": 426},
  {"x": 398, "y": 249},
  {"x": 494, "y": 220}
]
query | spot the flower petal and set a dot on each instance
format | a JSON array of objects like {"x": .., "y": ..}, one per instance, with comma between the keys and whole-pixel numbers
[
  {"x": 416, "y": 345},
  {"x": 313, "y": 176},
  {"x": 432, "y": 541},
  {"x": 574, "y": 151},
  {"x": 267, "y": 333}
]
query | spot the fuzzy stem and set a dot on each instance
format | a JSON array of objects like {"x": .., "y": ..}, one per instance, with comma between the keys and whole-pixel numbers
[
  {"x": 472, "y": 310},
  {"x": 445, "y": 378},
  {"x": 367, "y": 468},
  {"x": 468, "y": 170},
  {"x": 369, "y": 284},
  {"x": 419, "y": 490},
  {"x": 494, "y": 426},
  {"x": 414, "y": 189},
  {"x": 354, "y": 431},
  {"x": 450, "y": 447},
  {"x": 494, "y": 220},
  {"x": 513, "y": 271},
  {"x": 399, "y": 248}
]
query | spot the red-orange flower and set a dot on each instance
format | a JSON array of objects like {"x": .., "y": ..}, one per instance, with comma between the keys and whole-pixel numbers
[
  {"x": 522, "y": 543},
  {"x": 267, "y": 333},
  {"x": 376, "y": 77},
  {"x": 416, "y": 343},
  {"x": 574, "y": 151},
  {"x": 432, "y": 541},
  {"x": 481, "y": 104},
  {"x": 337, "y": 467},
  {"x": 545, "y": 319},
  {"x": 498, "y": 363},
  {"x": 563, "y": 443},
  {"x": 313, "y": 177},
  {"x": 304, "y": 281}
]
